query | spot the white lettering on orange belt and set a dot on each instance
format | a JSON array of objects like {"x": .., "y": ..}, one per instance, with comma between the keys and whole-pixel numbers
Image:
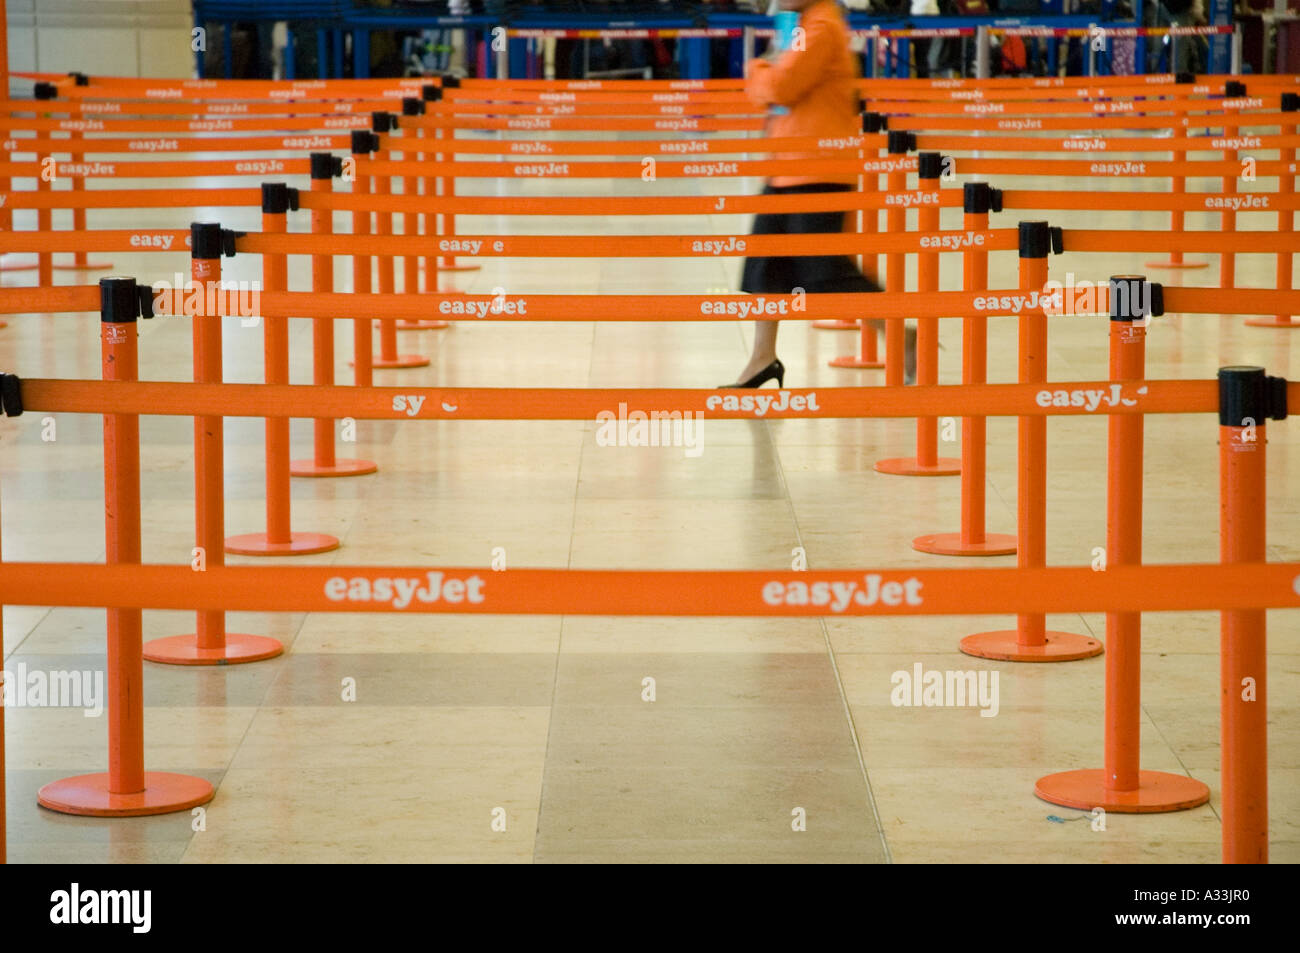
[
  {"x": 402, "y": 591},
  {"x": 837, "y": 596},
  {"x": 1087, "y": 399},
  {"x": 760, "y": 404}
]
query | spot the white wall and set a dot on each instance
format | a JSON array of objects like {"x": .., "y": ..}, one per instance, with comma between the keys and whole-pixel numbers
[{"x": 100, "y": 37}]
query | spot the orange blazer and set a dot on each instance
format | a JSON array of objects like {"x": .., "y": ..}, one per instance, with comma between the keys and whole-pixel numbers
[{"x": 816, "y": 85}]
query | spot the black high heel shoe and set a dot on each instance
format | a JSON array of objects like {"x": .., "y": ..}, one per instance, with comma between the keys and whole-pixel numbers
[{"x": 775, "y": 369}]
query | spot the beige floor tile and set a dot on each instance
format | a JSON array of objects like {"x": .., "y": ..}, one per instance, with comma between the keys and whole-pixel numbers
[{"x": 543, "y": 718}]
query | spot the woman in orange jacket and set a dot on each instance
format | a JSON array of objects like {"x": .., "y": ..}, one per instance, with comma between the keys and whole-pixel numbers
[{"x": 814, "y": 82}]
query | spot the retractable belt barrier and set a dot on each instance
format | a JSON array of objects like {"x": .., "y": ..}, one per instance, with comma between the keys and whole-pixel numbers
[{"x": 1241, "y": 587}]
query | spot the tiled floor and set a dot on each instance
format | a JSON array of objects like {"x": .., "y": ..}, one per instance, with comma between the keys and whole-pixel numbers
[{"x": 531, "y": 739}]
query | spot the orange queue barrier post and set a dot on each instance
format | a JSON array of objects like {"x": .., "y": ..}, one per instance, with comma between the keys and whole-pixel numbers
[
  {"x": 868, "y": 223},
  {"x": 1120, "y": 785},
  {"x": 430, "y": 94},
  {"x": 364, "y": 143},
  {"x": 1178, "y": 186},
  {"x": 1228, "y": 260},
  {"x": 48, "y": 171},
  {"x": 210, "y": 644},
  {"x": 978, "y": 198},
  {"x": 10, "y": 408},
  {"x": 1246, "y": 399},
  {"x": 6, "y": 225},
  {"x": 4, "y": 822},
  {"x": 873, "y": 123},
  {"x": 279, "y": 538},
  {"x": 1285, "y": 220},
  {"x": 126, "y": 789},
  {"x": 40, "y": 92},
  {"x": 449, "y": 181},
  {"x": 927, "y": 461},
  {"x": 80, "y": 262},
  {"x": 381, "y": 184},
  {"x": 410, "y": 263},
  {"x": 1030, "y": 641},
  {"x": 899, "y": 145},
  {"x": 410, "y": 225},
  {"x": 325, "y": 462}
]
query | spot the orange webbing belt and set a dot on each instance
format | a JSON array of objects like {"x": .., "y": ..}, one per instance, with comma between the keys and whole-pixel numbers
[
  {"x": 722, "y": 307},
  {"x": 816, "y": 593},
  {"x": 527, "y": 403}
]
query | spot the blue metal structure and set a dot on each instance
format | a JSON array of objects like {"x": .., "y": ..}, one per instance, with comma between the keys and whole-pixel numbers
[{"x": 334, "y": 21}]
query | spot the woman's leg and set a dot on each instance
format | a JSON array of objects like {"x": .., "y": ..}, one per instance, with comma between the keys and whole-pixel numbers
[
  {"x": 764, "y": 351},
  {"x": 909, "y": 348}
]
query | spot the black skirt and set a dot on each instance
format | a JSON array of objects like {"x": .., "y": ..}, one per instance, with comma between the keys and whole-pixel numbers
[{"x": 818, "y": 274}]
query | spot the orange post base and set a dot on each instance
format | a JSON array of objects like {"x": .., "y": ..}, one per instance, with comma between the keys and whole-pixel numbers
[
  {"x": 423, "y": 325},
  {"x": 909, "y": 466},
  {"x": 401, "y": 360},
  {"x": 852, "y": 360},
  {"x": 836, "y": 324},
  {"x": 184, "y": 650},
  {"x": 1277, "y": 322},
  {"x": 88, "y": 795},
  {"x": 341, "y": 468},
  {"x": 950, "y": 544},
  {"x": 1157, "y": 792},
  {"x": 1005, "y": 646},
  {"x": 300, "y": 544},
  {"x": 88, "y": 266}
]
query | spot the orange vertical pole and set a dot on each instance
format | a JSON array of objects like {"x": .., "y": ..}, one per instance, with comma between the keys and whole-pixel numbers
[
  {"x": 1030, "y": 641},
  {"x": 275, "y": 347},
  {"x": 1177, "y": 187},
  {"x": 1178, "y": 184},
  {"x": 1245, "y": 400},
  {"x": 972, "y": 540},
  {"x": 364, "y": 143},
  {"x": 410, "y": 187},
  {"x": 119, "y": 352},
  {"x": 449, "y": 183},
  {"x": 322, "y": 280},
  {"x": 1228, "y": 260},
  {"x": 1285, "y": 221},
  {"x": 209, "y": 432},
  {"x": 1121, "y": 785},
  {"x": 126, "y": 789},
  {"x": 6, "y": 215},
  {"x": 80, "y": 260},
  {"x": 279, "y": 538},
  {"x": 325, "y": 463},
  {"x": 44, "y": 223},
  {"x": 46, "y": 173},
  {"x": 211, "y": 644},
  {"x": 867, "y": 223},
  {"x": 6, "y": 219},
  {"x": 410, "y": 224},
  {"x": 927, "y": 461},
  {"x": 1124, "y": 440},
  {"x": 388, "y": 356},
  {"x": 900, "y": 143},
  {"x": 431, "y": 94},
  {"x": 78, "y": 213}
]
